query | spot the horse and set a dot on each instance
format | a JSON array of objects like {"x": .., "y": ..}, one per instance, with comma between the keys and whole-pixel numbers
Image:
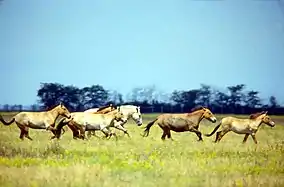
[
  {"x": 181, "y": 122},
  {"x": 37, "y": 120},
  {"x": 129, "y": 111},
  {"x": 86, "y": 121},
  {"x": 242, "y": 126},
  {"x": 101, "y": 110}
]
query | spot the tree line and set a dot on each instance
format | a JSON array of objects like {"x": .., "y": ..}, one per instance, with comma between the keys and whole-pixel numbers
[{"x": 235, "y": 99}]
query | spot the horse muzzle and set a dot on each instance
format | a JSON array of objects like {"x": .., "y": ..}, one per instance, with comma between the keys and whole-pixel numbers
[
  {"x": 68, "y": 116},
  {"x": 213, "y": 119},
  {"x": 272, "y": 124},
  {"x": 138, "y": 122}
]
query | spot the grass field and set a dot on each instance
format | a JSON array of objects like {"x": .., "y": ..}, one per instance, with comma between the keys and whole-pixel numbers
[{"x": 142, "y": 161}]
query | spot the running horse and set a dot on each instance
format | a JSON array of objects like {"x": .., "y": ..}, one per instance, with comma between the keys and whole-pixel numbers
[
  {"x": 130, "y": 112},
  {"x": 87, "y": 121},
  {"x": 181, "y": 122},
  {"x": 100, "y": 110},
  {"x": 37, "y": 120},
  {"x": 242, "y": 126}
]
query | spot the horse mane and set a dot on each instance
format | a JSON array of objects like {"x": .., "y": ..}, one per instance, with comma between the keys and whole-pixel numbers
[
  {"x": 255, "y": 115},
  {"x": 103, "y": 107},
  {"x": 196, "y": 108}
]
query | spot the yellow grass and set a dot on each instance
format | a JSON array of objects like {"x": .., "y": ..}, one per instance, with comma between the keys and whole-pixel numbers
[{"x": 142, "y": 161}]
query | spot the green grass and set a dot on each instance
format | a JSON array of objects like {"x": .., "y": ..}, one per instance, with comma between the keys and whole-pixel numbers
[{"x": 143, "y": 161}]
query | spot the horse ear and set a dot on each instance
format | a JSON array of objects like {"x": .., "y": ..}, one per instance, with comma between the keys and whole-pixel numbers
[
  {"x": 60, "y": 103},
  {"x": 265, "y": 112},
  {"x": 118, "y": 109}
]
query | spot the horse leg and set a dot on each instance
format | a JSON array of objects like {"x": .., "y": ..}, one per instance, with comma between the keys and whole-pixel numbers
[
  {"x": 217, "y": 136},
  {"x": 169, "y": 135},
  {"x": 119, "y": 127},
  {"x": 52, "y": 137},
  {"x": 164, "y": 135},
  {"x": 50, "y": 127},
  {"x": 82, "y": 133},
  {"x": 27, "y": 134},
  {"x": 63, "y": 130},
  {"x": 75, "y": 130},
  {"x": 254, "y": 139},
  {"x": 166, "y": 132},
  {"x": 220, "y": 135},
  {"x": 89, "y": 134},
  {"x": 92, "y": 133},
  {"x": 22, "y": 131},
  {"x": 198, "y": 133},
  {"x": 106, "y": 132},
  {"x": 55, "y": 135},
  {"x": 245, "y": 138},
  {"x": 22, "y": 134},
  {"x": 112, "y": 133}
]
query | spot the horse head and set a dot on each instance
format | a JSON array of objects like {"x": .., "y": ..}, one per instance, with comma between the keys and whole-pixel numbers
[
  {"x": 62, "y": 110},
  {"x": 206, "y": 113},
  {"x": 119, "y": 116},
  {"x": 265, "y": 118},
  {"x": 136, "y": 116}
]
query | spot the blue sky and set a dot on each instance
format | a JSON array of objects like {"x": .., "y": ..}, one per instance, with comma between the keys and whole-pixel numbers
[{"x": 173, "y": 44}]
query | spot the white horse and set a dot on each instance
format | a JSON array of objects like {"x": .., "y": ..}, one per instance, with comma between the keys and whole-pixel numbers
[{"x": 128, "y": 111}]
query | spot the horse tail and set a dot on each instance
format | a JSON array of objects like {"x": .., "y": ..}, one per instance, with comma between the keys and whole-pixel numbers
[
  {"x": 147, "y": 128},
  {"x": 6, "y": 123},
  {"x": 215, "y": 129}
]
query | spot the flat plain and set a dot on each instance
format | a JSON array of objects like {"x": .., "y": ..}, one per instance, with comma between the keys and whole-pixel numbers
[{"x": 143, "y": 161}]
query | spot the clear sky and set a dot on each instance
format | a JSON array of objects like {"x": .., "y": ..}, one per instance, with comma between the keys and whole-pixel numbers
[{"x": 173, "y": 44}]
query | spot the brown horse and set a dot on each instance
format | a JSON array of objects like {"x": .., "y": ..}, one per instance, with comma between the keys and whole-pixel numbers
[
  {"x": 37, "y": 120},
  {"x": 242, "y": 126},
  {"x": 181, "y": 122}
]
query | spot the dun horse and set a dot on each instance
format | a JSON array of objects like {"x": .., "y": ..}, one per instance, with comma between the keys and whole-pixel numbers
[
  {"x": 37, "y": 120},
  {"x": 85, "y": 121},
  {"x": 129, "y": 112},
  {"x": 101, "y": 110},
  {"x": 181, "y": 122},
  {"x": 242, "y": 126}
]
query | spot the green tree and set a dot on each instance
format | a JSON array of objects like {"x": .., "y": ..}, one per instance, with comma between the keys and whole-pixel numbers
[
  {"x": 94, "y": 96},
  {"x": 204, "y": 95},
  {"x": 252, "y": 99},
  {"x": 50, "y": 94},
  {"x": 185, "y": 98},
  {"x": 236, "y": 96},
  {"x": 273, "y": 103}
]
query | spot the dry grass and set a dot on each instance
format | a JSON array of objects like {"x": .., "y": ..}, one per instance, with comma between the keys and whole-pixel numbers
[{"x": 142, "y": 161}]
